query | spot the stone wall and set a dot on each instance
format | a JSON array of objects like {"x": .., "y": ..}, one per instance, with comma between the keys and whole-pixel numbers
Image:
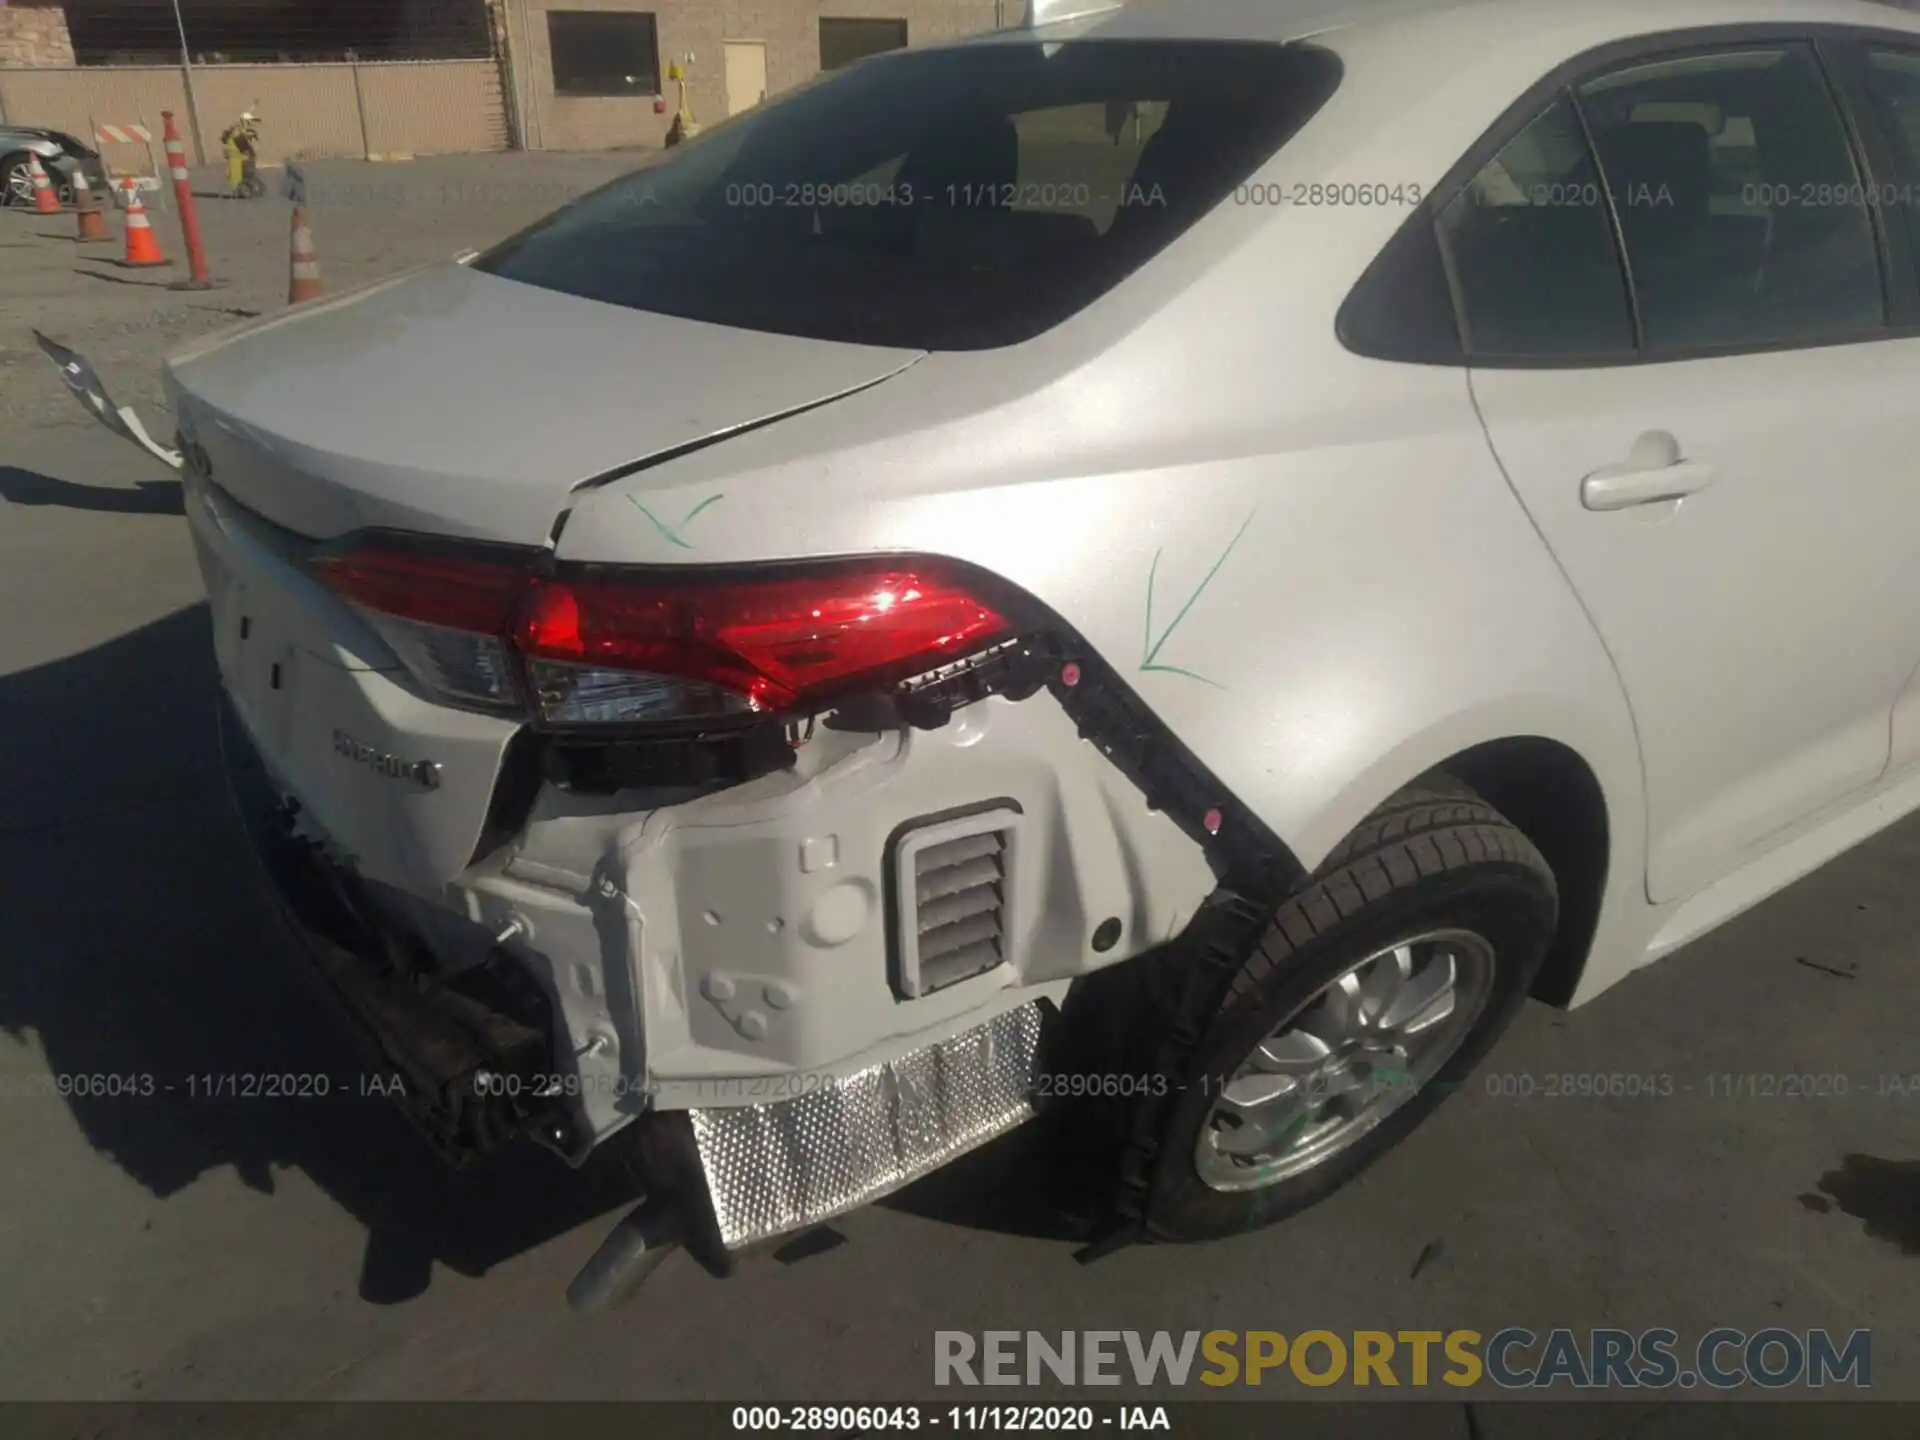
[{"x": 34, "y": 34}]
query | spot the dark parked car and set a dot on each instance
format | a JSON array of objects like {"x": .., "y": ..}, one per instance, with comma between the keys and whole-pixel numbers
[{"x": 60, "y": 155}]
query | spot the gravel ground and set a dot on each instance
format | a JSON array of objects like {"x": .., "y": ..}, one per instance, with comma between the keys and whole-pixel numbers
[{"x": 368, "y": 221}]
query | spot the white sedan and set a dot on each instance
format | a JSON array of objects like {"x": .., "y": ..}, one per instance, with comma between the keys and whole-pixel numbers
[{"x": 1171, "y": 566}]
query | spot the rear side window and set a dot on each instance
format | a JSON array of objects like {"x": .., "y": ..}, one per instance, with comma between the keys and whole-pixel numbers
[
  {"x": 1892, "y": 78},
  {"x": 1529, "y": 241},
  {"x": 950, "y": 199},
  {"x": 1744, "y": 216}
]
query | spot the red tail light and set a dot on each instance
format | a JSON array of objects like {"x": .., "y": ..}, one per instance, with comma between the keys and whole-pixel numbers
[
  {"x": 607, "y": 649},
  {"x": 455, "y": 591},
  {"x": 779, "y": 643},
  {"x": 446, "y": 617}
]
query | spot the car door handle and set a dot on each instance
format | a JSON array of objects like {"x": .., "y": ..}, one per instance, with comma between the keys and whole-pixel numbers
[{"x": 1621, "y": 487}]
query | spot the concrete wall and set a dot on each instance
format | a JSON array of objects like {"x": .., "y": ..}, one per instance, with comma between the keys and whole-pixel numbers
[
  {"x": 68, "y": 99},
  {"x": 304, "y": 109},
  {"x": 790, "y": 29},
  {"x": 34, "y": 34},
  {"x": 383, "y": 110}
]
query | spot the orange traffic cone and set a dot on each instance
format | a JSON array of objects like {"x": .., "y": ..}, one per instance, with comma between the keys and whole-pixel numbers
[
  {"x": 142, "y": 248},
  {"x": 45, "y": 202},
  {"x": 93, "y": 224},
  {"x": 303, "y": 270}
]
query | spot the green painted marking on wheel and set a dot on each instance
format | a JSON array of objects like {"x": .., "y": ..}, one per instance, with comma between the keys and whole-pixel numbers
[
  {"x": 1150, "y": 647},
  {"x": 1287, "y": 1136},
  {"x": 675, "y": 534}
]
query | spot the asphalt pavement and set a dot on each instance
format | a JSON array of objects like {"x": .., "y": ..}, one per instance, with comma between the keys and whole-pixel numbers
[{"x": 191, "y": 1243}]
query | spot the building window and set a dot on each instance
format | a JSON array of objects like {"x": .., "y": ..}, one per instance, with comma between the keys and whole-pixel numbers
[
  {"x": 844, "y": 41},
  {"x": 603, "y": 52}
]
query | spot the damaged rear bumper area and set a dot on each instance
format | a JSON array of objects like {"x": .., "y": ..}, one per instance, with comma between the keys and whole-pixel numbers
[
  {"x": 793, "y": 966},
  {"x": 789, "y": 987},
  {"x": 467, "y": 1056},
  {"x": 462, "y": 1054},
  {"x": 471, "y": 1057}
]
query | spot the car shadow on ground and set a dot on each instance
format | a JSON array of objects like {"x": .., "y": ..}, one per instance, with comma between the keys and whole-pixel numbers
[
  {"x": 1032, "y": 1182},
  {"x": 150, "y": 497},
  {"x": 146, "y": 959}
]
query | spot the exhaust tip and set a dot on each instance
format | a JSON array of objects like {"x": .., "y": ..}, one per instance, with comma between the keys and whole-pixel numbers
[{"x": 632, "y": 1251}]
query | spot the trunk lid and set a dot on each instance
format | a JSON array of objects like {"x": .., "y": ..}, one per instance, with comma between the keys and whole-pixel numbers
[{"x": 462, "y": 404}]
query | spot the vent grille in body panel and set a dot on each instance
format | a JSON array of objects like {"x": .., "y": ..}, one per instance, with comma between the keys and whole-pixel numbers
[{"x": 954, "y": 880}]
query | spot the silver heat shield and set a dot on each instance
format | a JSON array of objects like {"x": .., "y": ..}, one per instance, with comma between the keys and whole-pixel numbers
[{"x": 783, "y": 1166}]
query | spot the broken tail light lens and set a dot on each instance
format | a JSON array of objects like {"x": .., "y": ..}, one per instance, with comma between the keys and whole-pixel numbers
[
  {"x": 610, "y": 648},
  {"x": 445, "y": 617}
]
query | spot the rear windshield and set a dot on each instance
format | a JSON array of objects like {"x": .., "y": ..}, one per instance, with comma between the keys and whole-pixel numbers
[{"x": 953, "y": 199}]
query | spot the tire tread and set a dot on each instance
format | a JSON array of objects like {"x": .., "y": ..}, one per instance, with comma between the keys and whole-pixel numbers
[{"x": 1426, "y": 830}]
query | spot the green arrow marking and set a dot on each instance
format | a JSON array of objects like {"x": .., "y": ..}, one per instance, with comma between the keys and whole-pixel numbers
[
  {"x": 1150, "y": 647},
  {"x": 674, "y": 533}
]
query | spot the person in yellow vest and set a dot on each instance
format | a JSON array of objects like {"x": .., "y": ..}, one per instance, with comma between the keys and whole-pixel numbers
[
  {"x": 241, "y": 141},
  {"x": 684, "y": 126}
]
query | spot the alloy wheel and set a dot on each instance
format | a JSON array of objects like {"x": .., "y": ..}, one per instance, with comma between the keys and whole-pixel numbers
[{"x": 1359, "y": 1049}]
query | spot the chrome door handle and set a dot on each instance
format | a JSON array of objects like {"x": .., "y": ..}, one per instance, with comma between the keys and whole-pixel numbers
[{"x": 1620, "y": 488}]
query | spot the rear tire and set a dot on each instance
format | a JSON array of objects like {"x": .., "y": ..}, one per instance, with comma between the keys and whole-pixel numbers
[{"x": 1434, "y": 895}]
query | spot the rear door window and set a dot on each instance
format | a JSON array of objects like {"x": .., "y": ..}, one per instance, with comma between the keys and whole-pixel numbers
[
  {"x": 962, "y": 198},
  {"x": 1688, "y": 203},
  {"x": 1744, "y": 215}
]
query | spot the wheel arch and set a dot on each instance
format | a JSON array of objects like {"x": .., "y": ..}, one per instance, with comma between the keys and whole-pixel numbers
[
  {"x": 1579, "y": 811},
  {"x": 1552, "y": 796}
]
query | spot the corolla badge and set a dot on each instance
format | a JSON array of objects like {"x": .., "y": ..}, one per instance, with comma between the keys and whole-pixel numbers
[{"x": 424, "y": 773}]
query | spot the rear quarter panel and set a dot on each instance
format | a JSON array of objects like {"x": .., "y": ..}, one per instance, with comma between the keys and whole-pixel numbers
[{"x": 1308, "y": 563}]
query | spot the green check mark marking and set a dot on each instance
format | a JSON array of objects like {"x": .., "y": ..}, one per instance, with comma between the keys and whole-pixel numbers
[
  {"x": 674, "y": 534},
  {"x": 1150, "y": 647}
]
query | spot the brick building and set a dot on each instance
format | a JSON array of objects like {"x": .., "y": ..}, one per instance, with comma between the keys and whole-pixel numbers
[
  {"x": 586, "y": 71},
  {"x": 401, "y": 77}
]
